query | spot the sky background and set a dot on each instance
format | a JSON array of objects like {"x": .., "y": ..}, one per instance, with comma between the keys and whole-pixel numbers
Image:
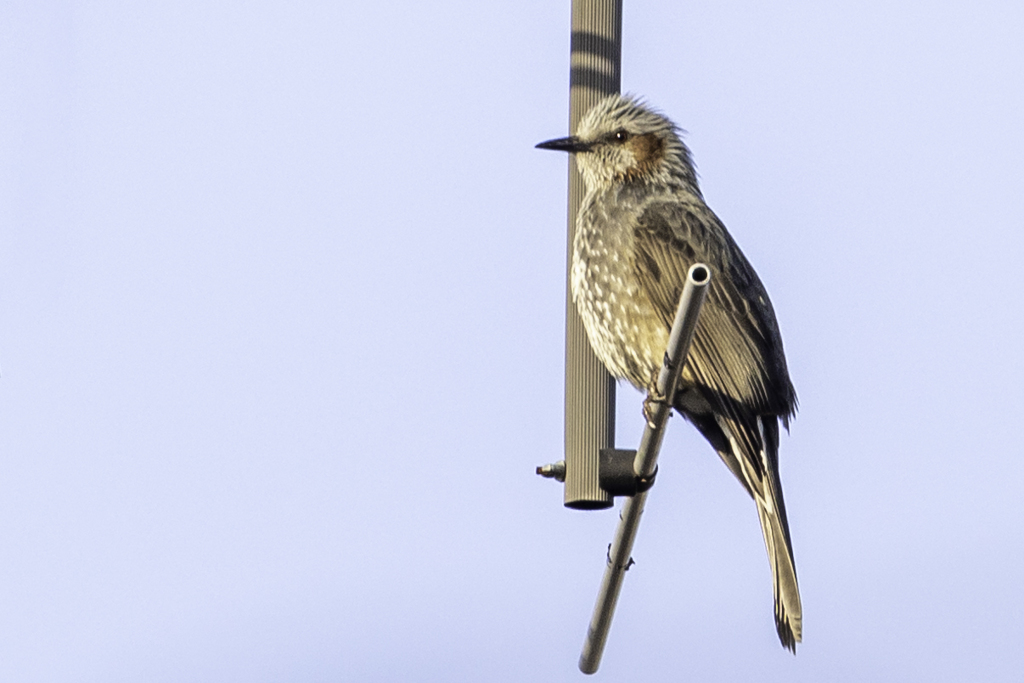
[{"x": 281, "y": 343}]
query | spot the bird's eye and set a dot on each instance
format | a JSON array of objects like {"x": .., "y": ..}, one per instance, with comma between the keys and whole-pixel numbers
[{"x": 621, "y": 136}]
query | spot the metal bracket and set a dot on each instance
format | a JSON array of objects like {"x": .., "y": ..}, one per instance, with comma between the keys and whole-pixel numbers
[{"x": 615, "y": 472}]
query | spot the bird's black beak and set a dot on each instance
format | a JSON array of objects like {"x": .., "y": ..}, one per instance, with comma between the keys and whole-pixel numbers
[{"x": 570, "y": 144}]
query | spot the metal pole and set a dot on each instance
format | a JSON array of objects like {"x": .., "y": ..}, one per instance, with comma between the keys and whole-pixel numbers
[
  {"x": 644, "y": 464},
  {"x": 595, "y": 59}
]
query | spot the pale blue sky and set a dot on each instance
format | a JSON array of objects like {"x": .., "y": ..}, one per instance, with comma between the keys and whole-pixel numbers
[{"x": 281, "y": 297}]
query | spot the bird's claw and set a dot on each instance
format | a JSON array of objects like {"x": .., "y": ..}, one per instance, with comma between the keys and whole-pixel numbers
[
  {"x": 651, "y": 403},
  {"x": 654, "y": 398}
]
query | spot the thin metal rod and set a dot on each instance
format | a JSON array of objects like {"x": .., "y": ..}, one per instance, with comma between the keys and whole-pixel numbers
[{"x": 659, "y": 408}]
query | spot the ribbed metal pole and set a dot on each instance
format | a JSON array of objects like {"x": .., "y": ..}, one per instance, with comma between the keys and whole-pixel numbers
[
  {"x": 644, "y": 465},
  {"x": 595, "y": 59}
]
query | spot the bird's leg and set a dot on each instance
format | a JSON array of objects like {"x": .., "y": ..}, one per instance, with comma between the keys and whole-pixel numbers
[
  {"x": 654, "y": 398},
  {"x": 651, "y": 407}
]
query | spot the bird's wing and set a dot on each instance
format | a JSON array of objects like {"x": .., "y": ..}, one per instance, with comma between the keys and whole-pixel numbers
[
  {"x": 735, "y": 362},
  {"x": 737, "y": 351}
]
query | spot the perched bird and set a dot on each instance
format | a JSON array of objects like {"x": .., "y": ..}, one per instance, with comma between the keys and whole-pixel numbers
[{"x": 642, "y": 224}]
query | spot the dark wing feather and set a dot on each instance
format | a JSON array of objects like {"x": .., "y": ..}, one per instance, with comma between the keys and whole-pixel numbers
[{"x": 737, "y": 353}]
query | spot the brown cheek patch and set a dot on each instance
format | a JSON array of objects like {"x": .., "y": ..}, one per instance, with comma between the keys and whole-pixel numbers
[{"x": 647, "y": 149}]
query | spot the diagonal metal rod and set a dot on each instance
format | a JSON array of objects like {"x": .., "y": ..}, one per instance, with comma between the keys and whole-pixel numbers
[{"x": 644, "y": 465}]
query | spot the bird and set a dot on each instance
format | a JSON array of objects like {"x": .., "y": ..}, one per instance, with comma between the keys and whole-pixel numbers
[{"x": 642, "y": 223}]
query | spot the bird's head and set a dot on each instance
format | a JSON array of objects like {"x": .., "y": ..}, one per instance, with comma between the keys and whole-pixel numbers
[{"x": 622, "y": 140}]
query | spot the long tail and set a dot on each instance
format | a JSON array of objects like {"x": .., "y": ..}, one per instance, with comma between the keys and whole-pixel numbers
[
  {"x": 771, "y": 510},
  {"x": 749, "y": 446}
]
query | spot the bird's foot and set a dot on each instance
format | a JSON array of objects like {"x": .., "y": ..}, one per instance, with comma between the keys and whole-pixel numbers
[
  {"x": 654, "y": 398},
  {"x": 651, "y": 406}
]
